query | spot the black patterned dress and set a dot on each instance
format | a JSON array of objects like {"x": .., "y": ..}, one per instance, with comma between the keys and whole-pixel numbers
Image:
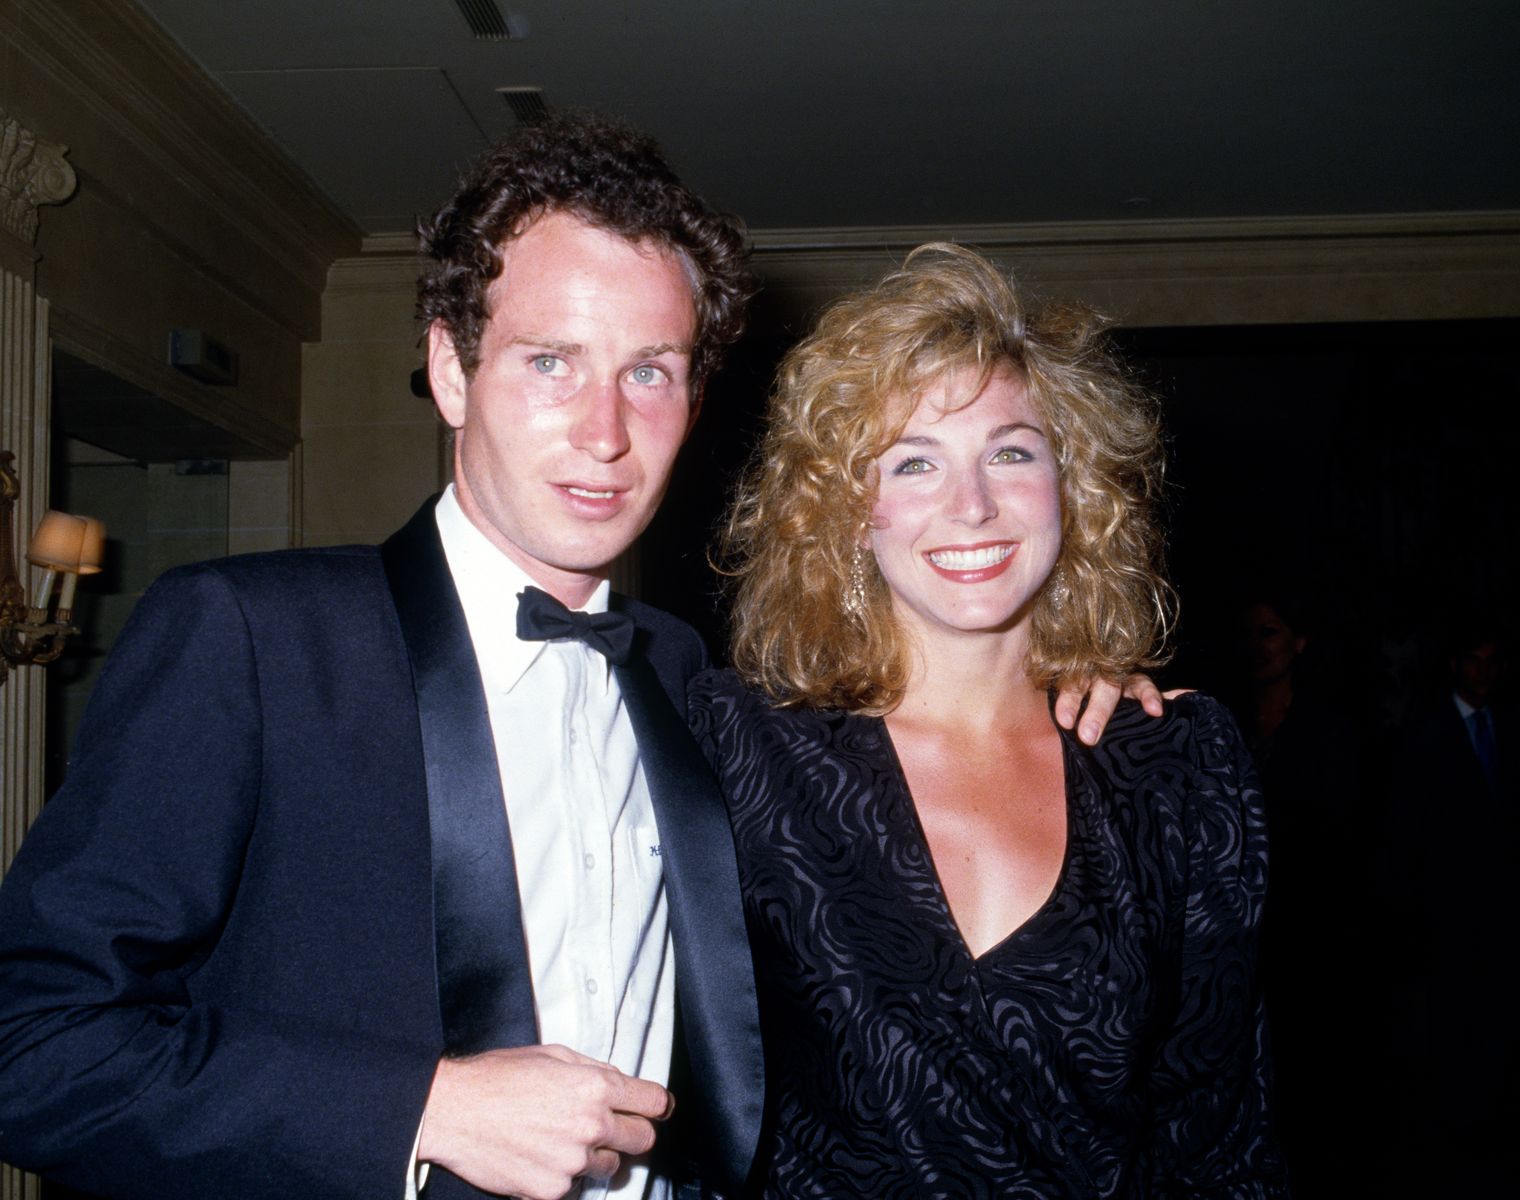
[{"x": 1111, "y": 1046}]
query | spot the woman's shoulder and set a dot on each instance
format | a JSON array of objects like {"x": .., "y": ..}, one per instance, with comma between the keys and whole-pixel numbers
[
  {"x": 714, "y": 684},
  {"x": 1194, "y": 722},
  {"x": 731, "y": 717},
  {"x": 718, "y": 696},
  {"x": 723, "y": 689},
  {"x": 1212, "y": 733},
  {"x": 1184, "y": 784},
  {"x": 1194, "y": 748}
]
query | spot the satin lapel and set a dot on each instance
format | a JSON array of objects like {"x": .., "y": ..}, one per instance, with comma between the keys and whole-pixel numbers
[
  {"x": 714, "y": 972},
  {"x": 485, "y": 990}
]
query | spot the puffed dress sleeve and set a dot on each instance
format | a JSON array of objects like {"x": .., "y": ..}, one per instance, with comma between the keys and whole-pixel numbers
[{"x": 1210, "y": 1081}]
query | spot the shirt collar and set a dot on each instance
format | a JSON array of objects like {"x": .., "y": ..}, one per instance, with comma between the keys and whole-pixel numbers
[
  {"x": 1463, "y": 707},
  {"x": 488, "y": 583}
]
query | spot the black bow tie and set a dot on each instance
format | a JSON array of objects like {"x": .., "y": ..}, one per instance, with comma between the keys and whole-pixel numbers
[{"x": 541, "y": 617}]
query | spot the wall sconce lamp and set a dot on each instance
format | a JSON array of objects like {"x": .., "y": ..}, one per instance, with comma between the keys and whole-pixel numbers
[{"x": 63, "y": 545}]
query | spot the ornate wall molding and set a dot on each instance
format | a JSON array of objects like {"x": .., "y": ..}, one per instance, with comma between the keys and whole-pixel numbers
[
  {"x": 33, "y": 172},
  {"x": 1246, "y": 271},
  {"x": 388, "y": 262},
  {"x": 1221, "y": 271}
]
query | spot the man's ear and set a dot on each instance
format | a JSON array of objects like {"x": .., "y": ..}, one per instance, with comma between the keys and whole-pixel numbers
[{"x": 446, "y": 375}]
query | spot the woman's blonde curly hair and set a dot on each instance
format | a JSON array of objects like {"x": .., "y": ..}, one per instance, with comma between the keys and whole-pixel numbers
[{"x": 801, "y": 509}]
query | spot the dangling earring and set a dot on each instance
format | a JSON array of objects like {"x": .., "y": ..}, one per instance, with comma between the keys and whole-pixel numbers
[
  {"x": 1059, "y": 589},
  {"x": 855, "y": 590}
]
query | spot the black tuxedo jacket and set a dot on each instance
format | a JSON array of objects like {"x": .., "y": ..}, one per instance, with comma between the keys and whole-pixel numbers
[{"x": 217, "y": 945}]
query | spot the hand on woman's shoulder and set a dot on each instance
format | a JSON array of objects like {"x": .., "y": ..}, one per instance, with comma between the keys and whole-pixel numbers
[
  {"x": 1193, "y": 752},
  {"x": 1195, "y": 716}
]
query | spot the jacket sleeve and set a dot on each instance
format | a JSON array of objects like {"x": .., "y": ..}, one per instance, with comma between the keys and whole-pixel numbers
[
  {"x": 1212, "y": 1134},
  {"x": 115, "y": 1077}
]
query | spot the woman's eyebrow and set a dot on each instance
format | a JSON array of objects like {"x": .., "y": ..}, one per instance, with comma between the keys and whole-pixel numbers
[{"x": 1003, "y": 431}]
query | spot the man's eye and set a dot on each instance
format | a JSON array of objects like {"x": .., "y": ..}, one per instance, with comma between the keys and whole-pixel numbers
[
  {"x": 546, "y": 364},
  {"x": 646, "y": 375}
]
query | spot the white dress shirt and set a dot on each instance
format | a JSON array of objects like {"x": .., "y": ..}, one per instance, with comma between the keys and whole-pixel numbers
[{"x": 584, "y": 838}]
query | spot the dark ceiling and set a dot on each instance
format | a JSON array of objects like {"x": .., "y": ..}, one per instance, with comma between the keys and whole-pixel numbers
[{"x": 871, "y": 113}]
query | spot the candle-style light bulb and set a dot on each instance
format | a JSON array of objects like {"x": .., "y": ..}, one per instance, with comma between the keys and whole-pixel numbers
[
  {"x": 66, "y": 595},
  {"x": 44, "y": 589}
]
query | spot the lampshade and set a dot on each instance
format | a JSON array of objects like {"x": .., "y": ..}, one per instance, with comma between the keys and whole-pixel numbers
[
  {"x": 92, "y": 548},
  {"x": 57, "y": 542}
]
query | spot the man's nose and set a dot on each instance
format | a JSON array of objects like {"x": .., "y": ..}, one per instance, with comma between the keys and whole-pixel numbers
[{"x": 601, "y": 425}]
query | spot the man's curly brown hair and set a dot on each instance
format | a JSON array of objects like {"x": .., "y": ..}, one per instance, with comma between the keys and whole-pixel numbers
[{"x": 612, "y": 177}]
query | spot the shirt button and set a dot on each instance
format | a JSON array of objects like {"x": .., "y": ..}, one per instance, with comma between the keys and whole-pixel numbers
[
  {"x": 572, "y": 737},
  {"x": 590, "y": 861},
  {"x": 591, "y": 987}
]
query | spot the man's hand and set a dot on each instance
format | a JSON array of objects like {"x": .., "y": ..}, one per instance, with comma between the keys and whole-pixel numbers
[
  {"x": 532, "y": 1120},
  {"x": 1102, "y": 698}
]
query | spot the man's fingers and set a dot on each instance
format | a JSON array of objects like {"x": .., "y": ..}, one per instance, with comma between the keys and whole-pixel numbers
[
  {"x": 640, "y": 1098},
  {"x": 526, "y": 1121},
  {"x": 1143, "y": 689},
  {"x": 565, "y": 1054},
  {"x": 1102, "y": 698},
  {"x": 1175, "y": 692},
  {"x": 1068, "y": 704},
  {"x": 602, "y": 1164},
  {"x": 629, "y": 1135}
]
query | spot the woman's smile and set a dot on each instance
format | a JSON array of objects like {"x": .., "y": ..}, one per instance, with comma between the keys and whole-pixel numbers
[{"x": 972, "y": 564}]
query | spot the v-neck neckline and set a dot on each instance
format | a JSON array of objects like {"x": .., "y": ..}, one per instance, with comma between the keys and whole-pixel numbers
[{"x": 1069, "y": 770}]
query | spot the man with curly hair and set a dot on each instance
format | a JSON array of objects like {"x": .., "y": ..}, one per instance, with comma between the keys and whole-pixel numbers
[{"x": 386, "y": 867}]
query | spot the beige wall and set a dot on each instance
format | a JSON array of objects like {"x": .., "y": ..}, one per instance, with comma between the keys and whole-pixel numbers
[{"x": 372, "y": 451}]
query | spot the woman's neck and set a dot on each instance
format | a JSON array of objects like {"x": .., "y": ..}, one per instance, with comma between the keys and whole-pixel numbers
[{"x": 972, "y": 683}]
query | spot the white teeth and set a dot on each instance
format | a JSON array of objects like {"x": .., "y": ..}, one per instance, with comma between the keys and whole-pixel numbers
[
  {"x": 579, "y": 491},
  {"x": 970, "y": 560}
]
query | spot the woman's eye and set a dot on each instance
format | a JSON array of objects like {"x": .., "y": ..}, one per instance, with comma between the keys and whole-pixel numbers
[
  {"x": 1011, "y": 454},
  {"x": 912, "y": 466},
  {"x": 646, "y": 375}
]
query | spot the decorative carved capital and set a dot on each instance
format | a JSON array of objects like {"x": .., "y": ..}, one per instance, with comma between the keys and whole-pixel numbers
[{"x": 32, "y": 173}]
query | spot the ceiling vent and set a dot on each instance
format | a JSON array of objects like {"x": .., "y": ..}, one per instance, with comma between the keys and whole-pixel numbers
[
  {"x": 527, "y": 103},
  {"x": 488, "y": 24}
]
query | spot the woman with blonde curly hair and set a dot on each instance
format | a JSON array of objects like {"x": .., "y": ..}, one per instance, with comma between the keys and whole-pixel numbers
[{"x": 993, "y": 960}]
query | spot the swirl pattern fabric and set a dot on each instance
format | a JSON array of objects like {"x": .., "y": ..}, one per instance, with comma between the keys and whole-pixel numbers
[{"x": 1111, "y": 1046}]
